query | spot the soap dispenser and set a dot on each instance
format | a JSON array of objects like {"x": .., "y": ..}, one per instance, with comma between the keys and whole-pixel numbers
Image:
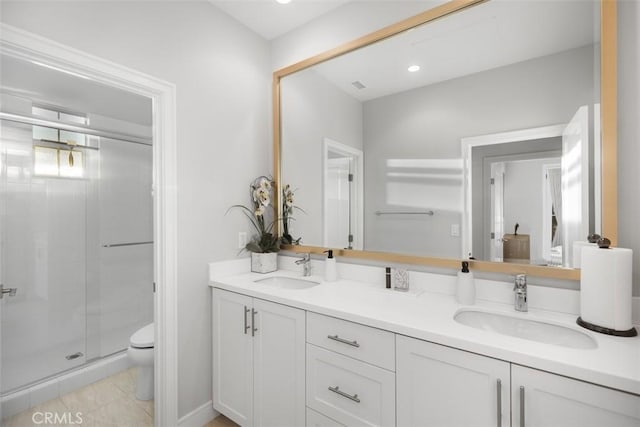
[
  {"x": 330, "y": 268},
  {"x": 466, "y": 287}
]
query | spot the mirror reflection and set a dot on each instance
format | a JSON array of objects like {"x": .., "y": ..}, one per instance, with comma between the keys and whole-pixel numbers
[{"x": 476, "y": 135}]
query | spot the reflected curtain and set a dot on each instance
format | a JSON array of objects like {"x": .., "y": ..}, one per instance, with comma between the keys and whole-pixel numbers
[{"x": 555, "y": 187}]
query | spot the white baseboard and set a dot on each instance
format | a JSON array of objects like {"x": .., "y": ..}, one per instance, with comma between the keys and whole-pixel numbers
[{"x": 199, "y": 416}]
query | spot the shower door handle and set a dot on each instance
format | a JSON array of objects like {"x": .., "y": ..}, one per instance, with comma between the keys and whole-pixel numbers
[{"x": 10, "y": 291}]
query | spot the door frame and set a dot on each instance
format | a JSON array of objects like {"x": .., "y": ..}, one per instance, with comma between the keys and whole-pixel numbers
[
  {"x": 32, "y": 47},
  {"x": 467, "y": 145}
]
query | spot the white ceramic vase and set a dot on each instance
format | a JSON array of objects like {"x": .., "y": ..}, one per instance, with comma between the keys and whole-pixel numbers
[{"x": 264, "y": 262}]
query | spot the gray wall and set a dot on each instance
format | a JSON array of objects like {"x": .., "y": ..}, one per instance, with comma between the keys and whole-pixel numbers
[
  {"x": 429, "y": 122},
  {"x": 313, "y": 109},
  {"x": 221, "y": 71}
]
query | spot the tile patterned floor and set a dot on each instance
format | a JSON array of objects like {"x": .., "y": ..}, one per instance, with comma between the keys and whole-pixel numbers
[
  {"x": 110, "y": 402},
  {"x": 221, "y": 421}
]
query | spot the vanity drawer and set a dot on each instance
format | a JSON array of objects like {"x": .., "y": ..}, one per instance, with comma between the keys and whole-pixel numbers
[
  {"x": 351, "y": 392},
  {"x": 316, "y": 419},
  {"x": 371, "y": 345}
]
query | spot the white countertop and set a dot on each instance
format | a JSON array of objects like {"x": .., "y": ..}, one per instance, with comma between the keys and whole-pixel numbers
[{"x": 429, "y": 316}]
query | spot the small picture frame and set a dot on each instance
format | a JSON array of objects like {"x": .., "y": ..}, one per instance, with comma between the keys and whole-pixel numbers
[{"x": 400, "y": 280}]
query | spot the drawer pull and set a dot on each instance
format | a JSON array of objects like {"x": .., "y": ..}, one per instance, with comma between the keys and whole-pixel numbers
[
  {"x": 246, "y": 323},
  {"x": 337, "y": 390},
  {"x": 499, "y": 402},
  {"x": 253, "y": 322},
  {"x": 343, "y": 341},
  {"x": 521, "y": 406}
]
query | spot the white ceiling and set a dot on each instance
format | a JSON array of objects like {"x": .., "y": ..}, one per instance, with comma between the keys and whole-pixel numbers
[
  {"x": 271, "y": 19},
  {"x": 51, "y": 87},
  {"x": 484, "y": 37}
]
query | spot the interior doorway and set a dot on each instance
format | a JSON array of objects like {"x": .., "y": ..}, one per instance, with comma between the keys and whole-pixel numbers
[
  {"x": 34, "y": 48},
  {"x": 342, "y": 196}
]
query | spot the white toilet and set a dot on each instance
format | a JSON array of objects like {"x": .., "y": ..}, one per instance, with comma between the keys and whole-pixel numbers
[{"x": 141, "y": 355}]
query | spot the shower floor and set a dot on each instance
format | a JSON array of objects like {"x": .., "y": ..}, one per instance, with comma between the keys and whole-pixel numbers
[{"x": 108, "y": 402}]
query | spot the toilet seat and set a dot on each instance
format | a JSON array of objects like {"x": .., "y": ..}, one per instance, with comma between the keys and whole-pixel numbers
[{"x": 143, "y": 337}]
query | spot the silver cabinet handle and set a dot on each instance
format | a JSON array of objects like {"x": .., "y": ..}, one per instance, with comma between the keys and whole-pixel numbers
[
  {"x": 337, "y": 390},
  {"x": 253, "y": 322},
  {"x": 499, "y": 405},
  {"x": 521, "y": 406},
  {"x": 246, "y": 321},
  {"x": 10, "y": 291},
  {"x": 343, "y": 341}
]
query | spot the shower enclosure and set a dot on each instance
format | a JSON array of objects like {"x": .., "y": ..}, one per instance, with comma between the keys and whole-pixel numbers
[{"x": 76, "y": 243}]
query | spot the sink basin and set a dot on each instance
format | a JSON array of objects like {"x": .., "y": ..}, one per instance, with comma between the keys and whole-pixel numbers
[
  {"x": 286, "y": 282},
  {"x": 533, "y": 330}
]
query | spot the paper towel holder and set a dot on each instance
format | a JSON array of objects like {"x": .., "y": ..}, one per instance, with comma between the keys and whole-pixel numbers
[{"x": 607, "y": 331}]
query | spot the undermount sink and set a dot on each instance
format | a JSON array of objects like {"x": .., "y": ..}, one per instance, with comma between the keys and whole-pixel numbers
[
  {"x": 528, "y": 329},
  {"x": 286, "y": 282}
]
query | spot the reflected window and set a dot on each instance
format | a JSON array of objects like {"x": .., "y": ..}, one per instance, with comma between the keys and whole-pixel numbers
[
  {"x": 49, "y": 161},
  {"x": 45, "y": 161},
  {"x": 43, "y": 133}
]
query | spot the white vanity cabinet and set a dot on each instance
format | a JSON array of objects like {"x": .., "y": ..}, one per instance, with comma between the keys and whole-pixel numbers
[
  {"x": 543, "y": 399},
  {"x": 350, "y": 374},
  {"x": 276, "y": 365},
  {"x": 258, "y": 361},
  {"x": 442, "y": 386}
]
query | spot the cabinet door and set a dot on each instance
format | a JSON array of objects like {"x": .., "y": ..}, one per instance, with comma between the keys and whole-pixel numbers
[
  {"x": 232, "y": 356},
  {"x": 279, "y": 370},
  {"x": 552, "y": 400},
  {"x": 441, "y": 386}
]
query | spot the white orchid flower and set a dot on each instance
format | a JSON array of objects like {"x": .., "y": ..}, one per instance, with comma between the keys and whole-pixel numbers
[{"x": 265, "y": 184}]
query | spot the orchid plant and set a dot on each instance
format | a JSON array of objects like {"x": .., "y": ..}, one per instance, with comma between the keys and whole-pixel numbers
[
  {"x": 262, "y": 216},
  {"x": 287, "y": 215}
]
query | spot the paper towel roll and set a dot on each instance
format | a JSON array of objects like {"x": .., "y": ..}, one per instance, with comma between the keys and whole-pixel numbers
[
  {"x": 577, "y": 252},
  {"x": 606, "y": 287}
]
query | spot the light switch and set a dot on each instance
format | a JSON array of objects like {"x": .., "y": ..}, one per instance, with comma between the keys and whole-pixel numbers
[
  {"x": 242, "y": 239},
  {"x": 455, "y": 230}
]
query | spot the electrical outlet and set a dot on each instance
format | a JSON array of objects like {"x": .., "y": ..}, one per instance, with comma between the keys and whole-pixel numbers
[
  {"x": 242, "y": 239},
  {"x": 455, "y": 230}
]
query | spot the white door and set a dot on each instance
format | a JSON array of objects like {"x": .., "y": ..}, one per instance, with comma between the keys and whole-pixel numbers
[
  {"x": 551, "y": 400},
  {"x": 338, "y": 203},
  {"x": 497, "y": 210},
  {"x": 232, "y": 356},
  {"x": 279, "y": 365},
  {"x": 343, "y": 189},
  {"x": 575, "y": 182},
  {"x": 441, "y": 386}
]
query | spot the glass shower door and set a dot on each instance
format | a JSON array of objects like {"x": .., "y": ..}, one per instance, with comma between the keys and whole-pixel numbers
[{"x": 43, "y": 239}]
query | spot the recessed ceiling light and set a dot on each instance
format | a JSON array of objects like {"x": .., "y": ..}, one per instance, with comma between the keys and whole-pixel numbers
[
  {"x": 413, "y": 68},
  {"x": 283, "y": 1}
]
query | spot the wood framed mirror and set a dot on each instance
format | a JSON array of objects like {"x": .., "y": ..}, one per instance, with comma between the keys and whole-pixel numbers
[{"x": 556, "y": 63}]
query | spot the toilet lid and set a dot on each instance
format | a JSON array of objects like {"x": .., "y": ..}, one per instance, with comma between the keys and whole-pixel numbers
[{"x": 143, "y": 337}]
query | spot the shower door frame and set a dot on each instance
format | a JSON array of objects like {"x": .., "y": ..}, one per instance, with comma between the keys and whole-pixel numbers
[{"x": 32, "y": 47}]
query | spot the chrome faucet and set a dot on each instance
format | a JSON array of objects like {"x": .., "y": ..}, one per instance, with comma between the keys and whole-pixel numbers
[
  {"x": 306, "y": 264},
  {"x": 520, "y": 289}
]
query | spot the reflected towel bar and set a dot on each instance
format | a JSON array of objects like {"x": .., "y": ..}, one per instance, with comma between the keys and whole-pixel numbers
[
  {"x": 116, "y": 245},
  {"x": 430, "y": 213}
]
